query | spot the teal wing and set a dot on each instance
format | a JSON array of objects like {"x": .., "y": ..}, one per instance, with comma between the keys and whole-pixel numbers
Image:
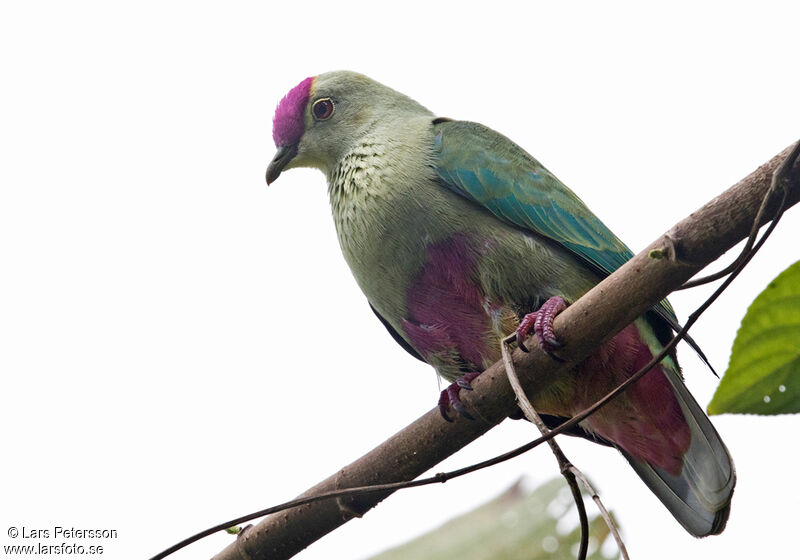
[{"x": 489, "y": 169}]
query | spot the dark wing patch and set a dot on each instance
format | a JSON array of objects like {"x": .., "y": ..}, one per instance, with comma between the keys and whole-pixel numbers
[
  {"x": 552, "y": 422},
  {"x": 396, "y": 336}
]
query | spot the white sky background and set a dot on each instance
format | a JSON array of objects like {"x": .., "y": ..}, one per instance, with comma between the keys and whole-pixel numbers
[{"x": 180, "y": 344}]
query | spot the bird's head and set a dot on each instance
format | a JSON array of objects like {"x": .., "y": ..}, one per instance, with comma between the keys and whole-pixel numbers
[{"x": 322, "y": 117}]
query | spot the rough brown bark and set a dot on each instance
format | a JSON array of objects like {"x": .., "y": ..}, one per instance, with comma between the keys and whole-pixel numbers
[{"x": 610, "y": 306}]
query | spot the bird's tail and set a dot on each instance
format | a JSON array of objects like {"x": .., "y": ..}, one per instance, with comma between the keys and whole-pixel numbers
[{"x": 699, "y": 496}]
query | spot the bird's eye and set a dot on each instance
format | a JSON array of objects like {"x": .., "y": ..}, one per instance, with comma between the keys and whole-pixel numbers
[{"x": 322, "y": 109}]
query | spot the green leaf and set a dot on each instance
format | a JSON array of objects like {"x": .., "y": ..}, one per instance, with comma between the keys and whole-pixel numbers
[
  {"x": 514, "y": 526},
  {"x": 763, "y": 375}
]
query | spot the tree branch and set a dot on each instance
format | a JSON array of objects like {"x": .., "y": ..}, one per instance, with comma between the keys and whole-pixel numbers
[{"x": 605, "y": 310}]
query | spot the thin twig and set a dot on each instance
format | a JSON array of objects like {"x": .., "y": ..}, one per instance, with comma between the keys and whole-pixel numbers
[
  {"x": 564, "y": 464},
  {"x": 566, "y": 471},
  {"x": 603, "y": 511}
]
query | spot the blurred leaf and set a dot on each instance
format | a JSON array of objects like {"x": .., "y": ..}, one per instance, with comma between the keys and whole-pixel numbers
[
  {"x": 542, "y": 524},
  {"x": 763, "y": 376}
]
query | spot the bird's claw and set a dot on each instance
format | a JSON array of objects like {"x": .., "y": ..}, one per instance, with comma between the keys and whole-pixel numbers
[
  {"x": 462, "y": 410},
  {"x": 450, "y": 398},
  {"x": 541, "y": 323},
  {"x": 521, "y": 341},
  {"x": 464, "y": 384}
]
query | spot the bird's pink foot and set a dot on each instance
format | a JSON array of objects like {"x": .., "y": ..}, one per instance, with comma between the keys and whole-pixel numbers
[
  {"x": 541, "y": 323},
  {"x": 450, "y": 396}
]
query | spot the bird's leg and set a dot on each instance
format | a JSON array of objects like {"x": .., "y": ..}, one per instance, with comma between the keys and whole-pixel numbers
[
  {"x": 450, "y": 398},
  {"x": 541, "y": 322}
]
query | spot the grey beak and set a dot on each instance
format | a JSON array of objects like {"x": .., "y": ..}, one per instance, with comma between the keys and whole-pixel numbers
[{"x": 282, "y": 157}]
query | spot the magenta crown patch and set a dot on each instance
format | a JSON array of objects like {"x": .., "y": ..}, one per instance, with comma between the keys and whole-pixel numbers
[{"x": 289, "y": 123}]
